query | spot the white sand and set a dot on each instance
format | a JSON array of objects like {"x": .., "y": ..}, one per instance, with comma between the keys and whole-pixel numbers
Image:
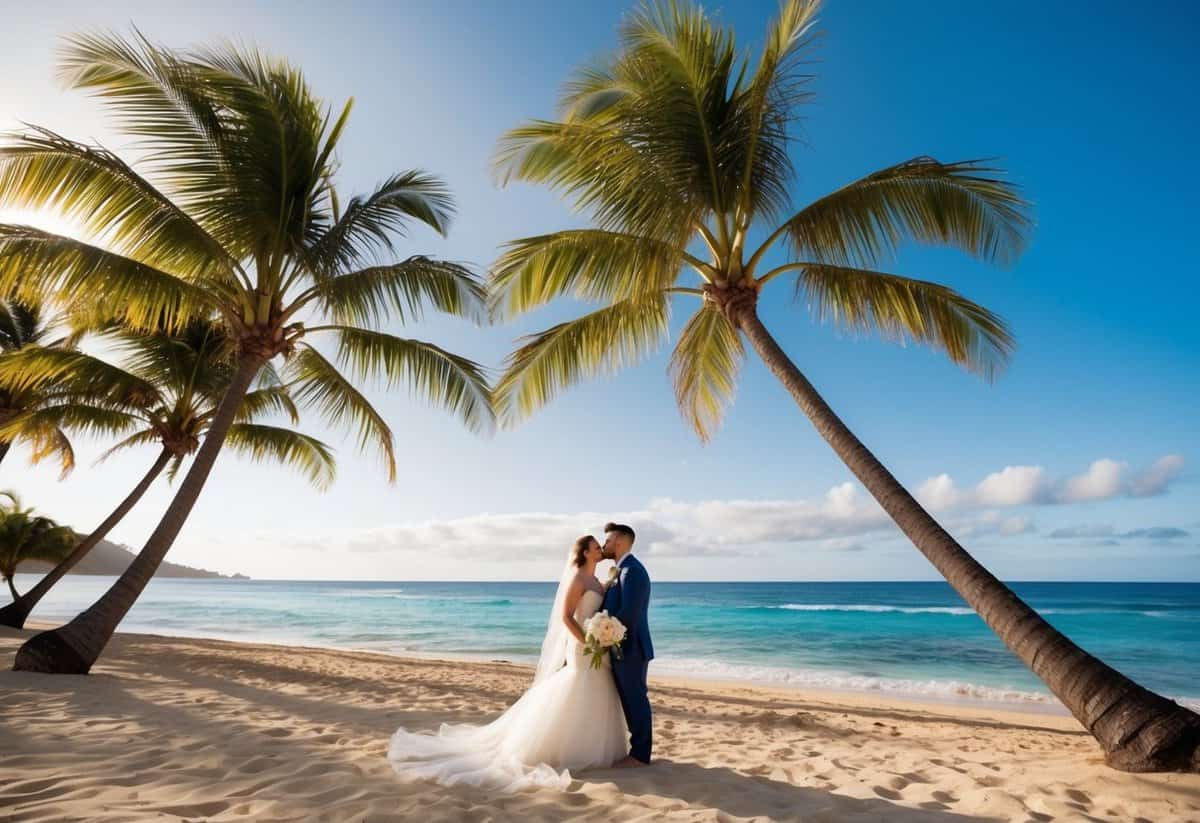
[{"x": 168, "y": 728}]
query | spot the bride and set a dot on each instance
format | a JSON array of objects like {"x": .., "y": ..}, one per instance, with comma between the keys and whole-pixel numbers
[{"x": 570, "y": 718}]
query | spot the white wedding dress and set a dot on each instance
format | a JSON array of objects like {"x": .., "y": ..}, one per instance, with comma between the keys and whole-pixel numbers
[{"x": 570, "y": 720}]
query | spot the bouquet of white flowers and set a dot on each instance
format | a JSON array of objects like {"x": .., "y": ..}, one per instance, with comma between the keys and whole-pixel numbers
[{"x": 603, "y": 634}]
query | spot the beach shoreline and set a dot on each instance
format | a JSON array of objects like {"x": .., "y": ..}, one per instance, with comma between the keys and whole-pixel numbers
[
  {"x": 1049, "y": 707},
  {"x": 220, "y": 730},
  {"x": 894, "y": 640}
]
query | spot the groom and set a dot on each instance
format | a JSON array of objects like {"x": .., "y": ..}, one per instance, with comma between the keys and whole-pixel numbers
[{"x": 627, "y": 599}]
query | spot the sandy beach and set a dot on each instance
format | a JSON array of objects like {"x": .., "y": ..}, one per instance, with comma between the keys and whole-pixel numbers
[{"x": 170, "y": 728}]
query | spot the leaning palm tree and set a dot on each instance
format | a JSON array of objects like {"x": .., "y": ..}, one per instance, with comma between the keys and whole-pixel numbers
[
  {"x": 28, "y": 536},
  {"x": 25, "y": 324},
  {"x": 233, "y": 214},
  {"x": 165, "y": 393},
  {"x": 678, "y": 148}
]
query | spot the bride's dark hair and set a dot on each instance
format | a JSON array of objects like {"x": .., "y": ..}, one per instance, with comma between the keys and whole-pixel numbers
[{"x": 579, "y": 553}]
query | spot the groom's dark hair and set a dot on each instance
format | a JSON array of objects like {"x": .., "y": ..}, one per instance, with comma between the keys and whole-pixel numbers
[{"x": 620, "y": 528}]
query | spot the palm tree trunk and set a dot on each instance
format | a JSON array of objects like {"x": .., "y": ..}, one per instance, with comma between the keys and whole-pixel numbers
[
  {"x": 1138, "y": 729},
  {"x": 73, "y": 648},
  {"x": 15, "y": 613},
  {"x": 15, "y": 594}
]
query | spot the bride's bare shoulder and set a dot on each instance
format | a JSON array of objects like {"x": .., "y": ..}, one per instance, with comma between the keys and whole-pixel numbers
[{"x": 582, "y": 581}]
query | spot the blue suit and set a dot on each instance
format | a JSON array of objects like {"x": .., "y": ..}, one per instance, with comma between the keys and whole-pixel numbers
[{"x": 627, "y": 600}]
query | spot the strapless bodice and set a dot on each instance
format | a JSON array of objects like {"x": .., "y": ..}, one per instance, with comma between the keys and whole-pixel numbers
[{"x": 588, "y": 605}]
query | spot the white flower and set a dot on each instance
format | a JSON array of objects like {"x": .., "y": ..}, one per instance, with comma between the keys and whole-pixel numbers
[{"x": 604, "y": 630}]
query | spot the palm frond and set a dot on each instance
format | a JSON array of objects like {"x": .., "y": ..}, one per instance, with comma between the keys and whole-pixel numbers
[
  {"x": 277, "y": 127},
  {"x": 169, "y": 104},
  {"x": 369, "y": 224},
  {"x": 192, "y": 364},
  {"x": 27, "y": 536},
  {"x": 269, "y": 400},
  {"x": 35, "y": 264},
  {"x": 235, "y": 135},
  {"x": 373, "y": 295},
  {"x": 291, "y": 448},
  {"x": 899, "y": 308},
  {"x": 41, "y": 424},
  {"x": 965, "y": 205},
  {"x": 74, "y": 373},
  {"x": 41, "y": 169},
  {"x": 51, "y": 441},
  {"x": 605, "y": 173},
  {"x": 589, "y": 263},
  {"x": 22, "y": 324},
  {"x": 431, "y": 373},
  {"x": 317, "y": 382},
  {"x": 688, "y": 68},
  {"x": 704, "y": 369},
  {"x": 597, "y": 343},
  {"x": 774, "y": 92},
  {"x": 139, "y": 438}
]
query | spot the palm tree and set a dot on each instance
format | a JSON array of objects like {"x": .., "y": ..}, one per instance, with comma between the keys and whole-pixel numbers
[
  {"x": 27, "y": 536},
  {"x": 678, "y": 148},
  {"x": 25, "y": 324},
  {"x": 166, "y": 394},
  {"x": 234, "y": 214}
]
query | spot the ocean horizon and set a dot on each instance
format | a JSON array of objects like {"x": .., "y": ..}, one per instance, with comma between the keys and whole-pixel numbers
[{"x": 912, "y": 639}]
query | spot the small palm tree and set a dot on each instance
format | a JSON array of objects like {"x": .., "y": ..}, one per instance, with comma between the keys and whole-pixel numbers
[
  {"x": 165, "y": 394},
  {"x": 25, "y": 324},
  {"x": 234, "y": 214},
  {"x": 27, "y": 536},
  {"x": 678, "y": 147}
]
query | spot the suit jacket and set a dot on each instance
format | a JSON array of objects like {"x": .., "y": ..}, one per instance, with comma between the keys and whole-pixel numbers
[{"x": 627, "y": 600}]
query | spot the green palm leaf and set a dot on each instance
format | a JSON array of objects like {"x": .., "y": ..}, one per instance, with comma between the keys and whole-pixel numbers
[
  {"x": 145, "y": 437},
  {"x": 588, "y": 263},
  {"x": 704, "y": 369},
  {"x": 318, "y": 383},
  {"x": 306, "y": 454},
  {"x": 447, "y": 380},
  {"x": 964, "y": 205},
  {"x": 167, "y": 103},
  {"x": 900, "y": 308},
  {"x": 64, "y": 372},
  {"x": 370, "y": 296},
  {"x": 41, "y": 169},
  {"x": 604, "y": 173},
  {"x": 370, "y": 223},
  {"x": 598, "y": 343},
  {"x": 41, "y": 424},
  {"x": 269, "y": 400},
  {"x": 768, "y": 105},
  {"x": 35, "y": 263}
]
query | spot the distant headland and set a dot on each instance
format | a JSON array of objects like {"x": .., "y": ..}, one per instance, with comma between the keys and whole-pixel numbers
[{"x": 112, "y": 559}]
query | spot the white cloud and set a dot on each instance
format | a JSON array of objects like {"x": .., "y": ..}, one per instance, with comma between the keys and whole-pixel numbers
[
  {"x": 1101, "y": 481},
  {"x": 1030, "y": 485},
  {"x": 1012, "y": 486},
  {"x": 1155, "y": 479},
  {"x": 939, "y": 492},
  {"x": 843, "y": 520}
]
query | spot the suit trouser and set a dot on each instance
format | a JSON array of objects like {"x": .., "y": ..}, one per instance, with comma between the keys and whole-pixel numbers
[{"x": 630, "y": 676}]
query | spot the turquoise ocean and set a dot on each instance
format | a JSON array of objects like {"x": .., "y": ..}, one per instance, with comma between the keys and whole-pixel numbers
[{"x": 907, "y": 639}]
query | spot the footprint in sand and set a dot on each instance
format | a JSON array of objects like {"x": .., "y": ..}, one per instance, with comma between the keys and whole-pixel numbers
[{"x": 1079, "y": 797}]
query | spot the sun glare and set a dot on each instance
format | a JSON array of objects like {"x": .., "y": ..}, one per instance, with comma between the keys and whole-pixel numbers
[{"x": 45, "y": 220}]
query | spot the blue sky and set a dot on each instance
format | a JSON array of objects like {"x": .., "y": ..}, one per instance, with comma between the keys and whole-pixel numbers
[{"x": 1086, "y": 104}]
